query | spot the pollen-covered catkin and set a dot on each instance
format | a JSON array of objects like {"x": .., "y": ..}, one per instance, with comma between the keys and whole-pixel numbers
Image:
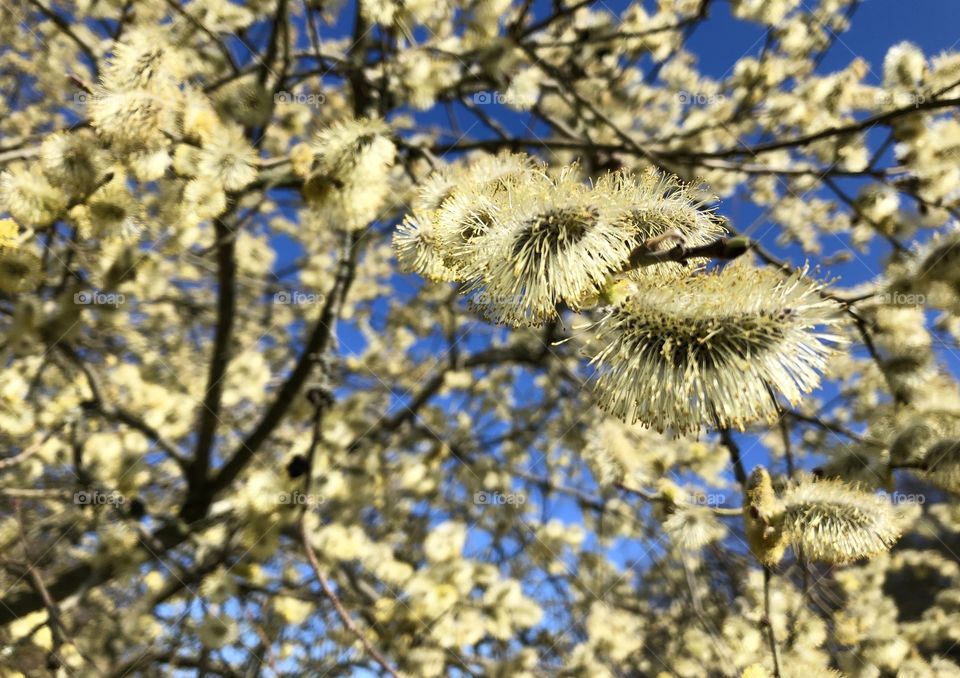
[
  {"x": 829, "y": 521},
  {"x": 763, "y": 519},
  {"x": 708, "y": 349}
]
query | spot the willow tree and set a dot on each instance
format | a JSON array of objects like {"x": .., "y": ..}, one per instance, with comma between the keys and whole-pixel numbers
[{"x": 418, "y": 339}]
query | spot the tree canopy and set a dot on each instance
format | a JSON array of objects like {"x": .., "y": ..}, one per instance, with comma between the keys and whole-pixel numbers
[{"x": 420, "y": 339}]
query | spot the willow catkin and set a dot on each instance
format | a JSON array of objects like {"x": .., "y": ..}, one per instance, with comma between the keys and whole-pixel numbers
[
  {"x": 939, "y": 259},
  {"x": 553, "y": 243},
  {"x": 655, "y": 206},
  {"x": 228, "y": 158},
  {"x": 491, "y": 175},
  {"x": 350, "y": 180},
  {"x": 829, "y": 521},
  {"x": 20, "y": 269},
  {"x": 132, "y": 121},
  {"x": 147, "y": 60},
  {"x": 418, "y": 249},
  {"x": 678, "y": 348},
  {"x": 29, "y": 198},
  {"x": 942, "y": 464},
  {"x": 763, "y": 519},
  {"x": 709, "y": 349},
  {"x": 69, "y": 161},
  {"x": 691, "y": 528}
]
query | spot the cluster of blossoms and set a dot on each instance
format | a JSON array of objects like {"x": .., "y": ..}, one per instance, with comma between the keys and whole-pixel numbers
[
  {"x": 674, "y": 346},
  {"x": 145, "y": 125},
  {"x": 346, "y": 171}
]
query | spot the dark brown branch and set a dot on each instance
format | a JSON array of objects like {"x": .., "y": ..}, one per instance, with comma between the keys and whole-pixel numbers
[
  {"x": 493, "y": 356},
  {"x": 209, "y": 416},
  {"x": 849, "y": 202},
  {"x": 54, "y": 621},
  {"x": 221, "y": 45},
  {"x": 804, "y": 139},
  {"x": 739, "y": 471},
  {"x": 834, "y": 428},
  {"x": 66, "y": 29},
  {"x": 279, "y": 26},
  {"x": 93, "y": 573},
  {"x": 723, "y": 248},
  {"x": 555, "y": 16}
]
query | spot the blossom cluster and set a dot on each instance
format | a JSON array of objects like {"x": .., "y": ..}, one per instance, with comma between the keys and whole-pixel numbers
[{"x": 674, "y": 346}]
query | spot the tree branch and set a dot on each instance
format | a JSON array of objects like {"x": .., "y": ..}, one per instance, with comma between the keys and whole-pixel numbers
[
  {"x": 322, "y": 398},
  {"x": 723, "y": 248},
  {"x": 115, "y": 412},
  {"x": 316, "y": 344},
  {"x": 195, "y": 504}
]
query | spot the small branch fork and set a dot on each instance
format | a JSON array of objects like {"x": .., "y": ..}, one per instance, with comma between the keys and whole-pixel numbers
[{"x": 338, "y": 606}]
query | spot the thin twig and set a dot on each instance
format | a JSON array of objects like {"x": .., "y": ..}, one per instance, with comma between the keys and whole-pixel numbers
[
  {"x": 8, "y": 462},
  {"x": 650, "y": 496},
  {"x": 64, "y": 27},
  {"x": 768, "y": 622},
  {"x": 320, "y": 404},
  {"x": 98, "y": 403},
  {"x": 196, "y": 23}
]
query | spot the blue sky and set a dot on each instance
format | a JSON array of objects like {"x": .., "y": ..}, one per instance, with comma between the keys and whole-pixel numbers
[{"x": 934, "y": 25}]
